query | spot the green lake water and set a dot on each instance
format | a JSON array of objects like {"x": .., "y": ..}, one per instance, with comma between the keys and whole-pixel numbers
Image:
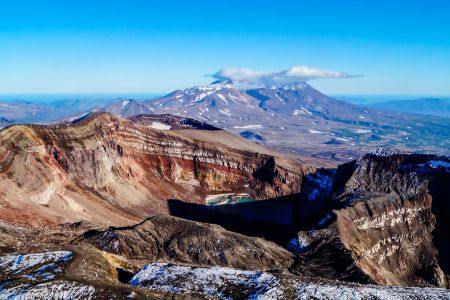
[{"x": 230, "y": 200}]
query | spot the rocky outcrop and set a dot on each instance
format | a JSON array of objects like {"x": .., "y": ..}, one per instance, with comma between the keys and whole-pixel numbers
[
  {"x": 391, "y": 211},
  {"x": 166, "y": 238},
  {"x": 321, "y": 253},
  {"x": 171, "y": 122},
  {"x": 392, "y": 225},
  {"x": 101, "y": 166},
  {"x": 65, "y": 275}
]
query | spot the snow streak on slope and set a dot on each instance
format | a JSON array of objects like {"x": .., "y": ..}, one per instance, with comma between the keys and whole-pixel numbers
[
  {"x": 30, "y": 276},
  {"x": 15, "y": 264},
  {"x": 48, "y": 290}
]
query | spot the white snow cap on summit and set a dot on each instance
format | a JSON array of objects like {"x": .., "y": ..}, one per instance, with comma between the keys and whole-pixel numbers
[{"x": 280, "y": 78}]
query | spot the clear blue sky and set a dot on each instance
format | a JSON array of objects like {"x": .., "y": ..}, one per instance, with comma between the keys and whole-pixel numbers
[{"x": 400, "y": 47}]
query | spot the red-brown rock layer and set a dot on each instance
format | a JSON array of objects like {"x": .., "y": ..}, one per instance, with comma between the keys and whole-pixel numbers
[{"x": 109, "y": 170}]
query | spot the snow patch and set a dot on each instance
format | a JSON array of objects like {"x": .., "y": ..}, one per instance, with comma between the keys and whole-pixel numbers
[
  {"x": 236, "y": 99},
  {"x": 324, "y": 220},
  {"x": 207, "y": 282},
  {"x": 227, "y": 283},
  {"x": 221, "y": 97},
  {"x": 160, "y": 126},
  {"x": 321, "y": 184},
  {"x": 15, "y": 264},
  {"x": 79, "y": 117},
  {"x": 342, "y": 139},
  {"x": 254, "y": 126},
  {"x": 225, "y": 112},
  {"x": 313, "y": 131},
  {"x": 49, "y": 290},
  {"x": 279, "y": 98},
  {"x": 302, "y": 111},
  {"x": 359, "y": 130},
  {"x": 309, "y": 290},
  {"x": 384, "y": 152}
]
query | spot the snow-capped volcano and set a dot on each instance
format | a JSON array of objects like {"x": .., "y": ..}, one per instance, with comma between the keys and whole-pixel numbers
[
  {"x": 224, "y": 100},
  {"x": 298, "y": 118},
  {"x": 211, "y": 102},
  {"x": 215, "y": 92}
]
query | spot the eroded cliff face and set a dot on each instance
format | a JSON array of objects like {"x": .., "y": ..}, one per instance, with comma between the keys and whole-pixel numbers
[
  {"x": 391, "y": 224},
  {"x": 114, "y": 171},
  {"x": 391, "y": 211}
]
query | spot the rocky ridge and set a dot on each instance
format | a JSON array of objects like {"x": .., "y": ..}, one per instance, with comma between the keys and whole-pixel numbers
[{"x": 164, "y": 238}]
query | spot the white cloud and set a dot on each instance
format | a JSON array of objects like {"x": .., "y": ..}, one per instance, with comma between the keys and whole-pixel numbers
[{"x": 269, "y": 79}]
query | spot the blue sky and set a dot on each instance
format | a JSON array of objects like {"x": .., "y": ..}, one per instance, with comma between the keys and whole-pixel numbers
[{"x": 399, "y": 47}]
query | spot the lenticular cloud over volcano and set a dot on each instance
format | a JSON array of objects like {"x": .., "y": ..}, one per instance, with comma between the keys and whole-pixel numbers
[{"x": 270, "y": 79}]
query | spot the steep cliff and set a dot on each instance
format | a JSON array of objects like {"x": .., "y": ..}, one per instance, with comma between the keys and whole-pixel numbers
[
  {"x": 396, "y": 221},
  {"x": 390, "y": 210}
]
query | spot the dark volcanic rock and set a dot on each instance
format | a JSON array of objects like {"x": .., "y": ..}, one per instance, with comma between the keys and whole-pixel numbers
[
  {"x": 173, "y": 122},
  {"x": 166, "y": 238}
]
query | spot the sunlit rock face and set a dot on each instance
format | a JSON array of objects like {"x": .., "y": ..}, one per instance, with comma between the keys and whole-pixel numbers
[
  {"x": 387, "y": 212},
  {"x": 396, "y": 221}
]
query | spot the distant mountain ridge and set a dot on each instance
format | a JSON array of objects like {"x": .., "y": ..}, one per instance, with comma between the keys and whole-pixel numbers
[
  {"x": 127, "y": 108},
  {"x": 295, "y": 118},
  {"x": 28, "y": 111},
  {"x": 45, "y": 112},
  {"x": 426, "y": 106}
]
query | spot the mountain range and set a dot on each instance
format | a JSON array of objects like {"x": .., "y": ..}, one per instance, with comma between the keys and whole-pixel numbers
[
  {"x": 426, "y": 106},
  {"x": 294, "y": 119},
  {"x": 46, "y": 112},
  {"x": 300, "y": 120}
]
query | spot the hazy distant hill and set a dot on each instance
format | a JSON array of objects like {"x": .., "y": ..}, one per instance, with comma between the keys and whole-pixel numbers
[
  {"x": 427, "y": 106},
  {"x": 127, "y": 108},
  {"x": 47, "y": 108}
]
